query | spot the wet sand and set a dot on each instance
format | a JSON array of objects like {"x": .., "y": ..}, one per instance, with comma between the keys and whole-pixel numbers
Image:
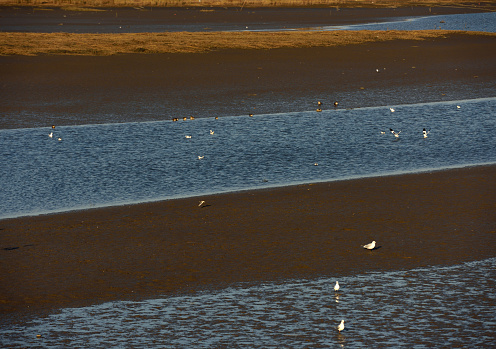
[
  {"x": 154, "y": 249},
  {"x": 67, "y": 90}
]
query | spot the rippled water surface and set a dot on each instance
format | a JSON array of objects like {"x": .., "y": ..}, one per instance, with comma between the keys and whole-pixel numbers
[
  {"x": 101, "y": 165},
  {"x": 485, "y": 22},
  {"x": 421, "y": 308}
]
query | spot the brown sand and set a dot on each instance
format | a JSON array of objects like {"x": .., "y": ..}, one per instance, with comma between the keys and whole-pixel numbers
[
  {"x": 148, "y": 250},
  {"x": 68, "y": 90}
]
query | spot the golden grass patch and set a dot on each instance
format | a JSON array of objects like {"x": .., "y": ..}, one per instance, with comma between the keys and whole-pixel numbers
[{"x": 14, "y": 43}]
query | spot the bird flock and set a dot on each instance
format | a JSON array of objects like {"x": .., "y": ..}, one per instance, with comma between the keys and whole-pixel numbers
[{"x": 370, "y": 246}]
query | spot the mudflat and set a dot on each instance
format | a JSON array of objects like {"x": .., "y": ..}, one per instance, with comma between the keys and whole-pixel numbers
[{"x": 154, "y": 249}]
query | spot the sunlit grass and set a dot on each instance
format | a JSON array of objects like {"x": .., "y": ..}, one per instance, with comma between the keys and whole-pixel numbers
[{"x": 14, "y": 43}]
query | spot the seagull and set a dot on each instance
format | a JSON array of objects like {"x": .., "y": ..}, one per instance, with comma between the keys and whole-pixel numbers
[
  {"x": 200, "y": 157},
  {"x": 383, "y": 132},
  {"x": 212, "y": 132},
  {"x": 59, "y": 139},
  {"x": 425, "y": 133},
  {"x": 336, "y": 287},
  {"x": 392, "y": 110},
  {"x": 201, "y": 203},
  {"x": 188, "y": 137},
  {"x": 335, "y": 104},
  {"x": 341, "y": 326},
  {"x": 458, "y": 107},
  {"x": 50, "y": 135},
  {"x": 396, "y": 134},
  {"x": 370, "y": 246}
]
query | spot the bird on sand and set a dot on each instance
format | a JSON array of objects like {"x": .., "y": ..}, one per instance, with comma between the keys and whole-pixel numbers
[
  {"x": 336, "y": 287},
  {"x": 396, "y": 134},
  {"x": 370, "y": 246},
  {"x": 425, "y": 133},
  {"x": 341, "y": 326},
  {"x": 201, "y": 203}
]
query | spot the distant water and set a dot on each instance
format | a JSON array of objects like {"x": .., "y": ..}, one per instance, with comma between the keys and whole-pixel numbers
[
  {"x": 112, "y": 164},
  {"x": 484, "y": 22},
  {"x": 435, "y": 307}
]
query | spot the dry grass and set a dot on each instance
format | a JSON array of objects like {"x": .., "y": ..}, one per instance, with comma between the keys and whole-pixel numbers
[
  {"x": 188, "y": 42},
  {"x": 241, "y": 3}
]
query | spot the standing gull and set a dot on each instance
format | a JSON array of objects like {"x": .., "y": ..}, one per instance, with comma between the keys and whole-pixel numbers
[
  {"x": 341, "y": 326},
  {"x": 336, "y": 287},
  {"x": 370, "y": 246}
]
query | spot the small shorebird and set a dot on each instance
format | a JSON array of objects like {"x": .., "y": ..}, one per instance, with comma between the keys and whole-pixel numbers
[
  {"x": 50, "y": 135},
  {"x": 53, "y": 126},
  {"x": 341, "y": 326},
  {"x": 425, "y": 133},
  {"x": 370, "y": 246},
  {"x": 396, "y": 134},
  {"x": 319, "y": 110},
  {"x": 192, "y": 118},
  {"x": 174, "y": 119},
  {"x": 392, "y": 110},
  {"x": 319, "y": 103},
  {"x": 336, "y": 287},
  {"x": 184, "y": 118},
  {"x": 335, "y": 104}
]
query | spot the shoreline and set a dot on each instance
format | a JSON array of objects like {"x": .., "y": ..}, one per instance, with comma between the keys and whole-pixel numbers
[
  {"x": 247, "y": 190},
  {"x": 154, "y": 249}
]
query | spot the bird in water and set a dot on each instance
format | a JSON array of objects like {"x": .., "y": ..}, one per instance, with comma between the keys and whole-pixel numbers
[
  {"x": 341, "y": 326},
  {"x": 425, "y": 133},
  {"x": 336, "y": 287},
  {"x": 396, "y": 134}
]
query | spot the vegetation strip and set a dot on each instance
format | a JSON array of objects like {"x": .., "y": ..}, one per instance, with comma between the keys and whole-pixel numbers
[{"x": 14, "y": 43}]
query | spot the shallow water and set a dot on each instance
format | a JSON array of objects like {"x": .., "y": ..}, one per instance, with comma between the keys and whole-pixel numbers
[
  {"x": 110, "y": 164},
  {"x": 420, "y": 308},
  {"x": 484, "y": 22},
  {"x": 74, "y": 22}
]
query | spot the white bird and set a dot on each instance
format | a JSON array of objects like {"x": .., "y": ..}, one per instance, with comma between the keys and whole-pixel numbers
[
  {"x": 201, "y": 203},
  {"x": 370, "y": 246},
  {"x": 212, "y": 132},
  {"x": 336, "y": 287},
  {"x": 396, "y": 134},
  {"x": 392, "y": 110},
  {"x": 200, "y": 157},
  {"x": 59, "y": 139},
  {"x": 341, "y": 326},
  {"x": 425, "y": 133},
  {"x": 383, "y": 132},
  {"x": 188, "y": 137},
  {"x": 50, "y": 135},
  {"x": 458, "y": 107}
]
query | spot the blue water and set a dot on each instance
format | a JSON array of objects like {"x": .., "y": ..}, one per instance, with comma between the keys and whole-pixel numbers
[
  {"x": 435, "y": 307},
  {"x": 112, "y": 164},
  {"x": 484, "y": 22}
]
